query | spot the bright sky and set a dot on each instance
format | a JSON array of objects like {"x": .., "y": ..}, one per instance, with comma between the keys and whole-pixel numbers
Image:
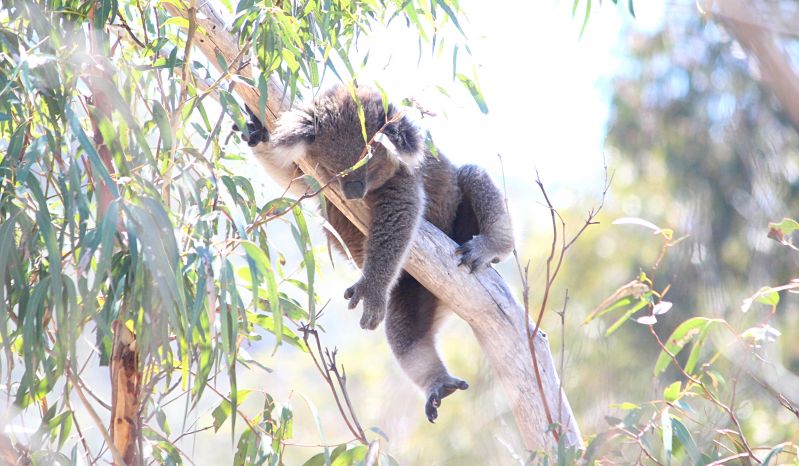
[{"x": 546, "y": 88}]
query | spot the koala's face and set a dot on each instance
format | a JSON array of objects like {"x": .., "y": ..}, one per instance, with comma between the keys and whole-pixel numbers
[
  {"x": 329, "y": 134},
  {"x": 337, "y": 155}
]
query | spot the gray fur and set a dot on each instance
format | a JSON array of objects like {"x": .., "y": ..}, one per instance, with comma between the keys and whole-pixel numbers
[{"x": 400, "y": 186}]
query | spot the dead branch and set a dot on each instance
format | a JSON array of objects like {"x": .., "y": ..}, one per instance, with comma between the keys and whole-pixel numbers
[{"x": 325, "y": 362}]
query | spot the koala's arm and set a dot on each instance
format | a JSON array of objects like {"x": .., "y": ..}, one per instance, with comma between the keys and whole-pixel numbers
[
  {"x": 495, "y": 239},
  {"x": 276, "y": 160},
  {"x": 396, "y": 209},
  {"x": 287, "y": 176}
]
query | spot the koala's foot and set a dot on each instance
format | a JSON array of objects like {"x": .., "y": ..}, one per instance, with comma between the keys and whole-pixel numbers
[
  {"x": 374, "y": 303},
  {"x": 475, "y": 253},
  {"x": 439, "y": 391},
  {"x": 257, "y": 133}
]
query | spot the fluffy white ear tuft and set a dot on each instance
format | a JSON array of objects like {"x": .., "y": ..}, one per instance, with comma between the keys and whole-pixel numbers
[{"x": 410, "y": 158}]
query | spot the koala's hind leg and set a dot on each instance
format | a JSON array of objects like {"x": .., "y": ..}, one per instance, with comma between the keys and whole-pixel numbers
[
  {"x": 483, "y": 214},
  {"x": 413, "y": 317}
]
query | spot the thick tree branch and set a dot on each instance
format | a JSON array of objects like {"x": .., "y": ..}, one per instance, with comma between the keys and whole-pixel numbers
[
  {"x": 742, "y": 21},
  {"x": 482, "y": 299}
]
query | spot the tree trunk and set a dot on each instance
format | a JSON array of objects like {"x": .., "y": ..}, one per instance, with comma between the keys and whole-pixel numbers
[{"x": 125, "y": 395}]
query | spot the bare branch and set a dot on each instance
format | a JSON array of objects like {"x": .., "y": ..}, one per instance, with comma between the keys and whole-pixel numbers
[{"x": 325, "y": 362}]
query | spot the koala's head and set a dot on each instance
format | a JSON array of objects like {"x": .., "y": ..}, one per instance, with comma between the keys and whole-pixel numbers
[{"x": 328, "y": 133}]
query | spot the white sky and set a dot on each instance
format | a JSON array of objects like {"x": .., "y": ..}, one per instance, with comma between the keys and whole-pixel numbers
[{"x": 546, "y": 87}]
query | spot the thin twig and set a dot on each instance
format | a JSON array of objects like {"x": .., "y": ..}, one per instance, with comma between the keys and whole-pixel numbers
[
  {"x": 552, "y": 272},
  {"x": 562, "y": 372},
  {"x": 326, "y": 367}
]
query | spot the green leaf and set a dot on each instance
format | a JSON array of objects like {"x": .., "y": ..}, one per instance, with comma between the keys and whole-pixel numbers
[
  {"x": 786, "y": 226},
  {"x": 681, "y": 336},
  {"x": 625, "y": 406},
  {"x": 178, "y": 21},
  {"x": 224, "y": 410},
  {"x": 686, "y": 440},
  {"x": 771, "y": 299},
  {"x": 477, "y": 95},
  {"x": 94, "y": 157},
  {"x": 303, "y": 240},
  {"x": 351, "y": 457},
  {"x": 160, "y": 416},
  {"x": 696, "y": 349},
  {"x": 268, "y": 323},
  {"x": 325, "y": 456},
  {"x": 672, "y": 392},
  {"x": 773, "y": 454},
  {"x": 618, "y": 304},
  {"x": 624, "y": 318},
  {"x": 452, "y": 16},
  {"x": 587, "y": 15},
  {"x": 264, "y": 267},
  {"x": 162, "y": 120},
  {"x": 383, "y": 98}
]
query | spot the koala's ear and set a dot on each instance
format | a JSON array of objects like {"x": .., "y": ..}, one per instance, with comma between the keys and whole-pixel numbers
[
  {"x": 406, "y": 139},
  {"x": 295, "y": 130}
]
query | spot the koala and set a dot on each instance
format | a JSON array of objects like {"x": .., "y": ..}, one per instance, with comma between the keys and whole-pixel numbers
[{"x": 401, "y": 183}]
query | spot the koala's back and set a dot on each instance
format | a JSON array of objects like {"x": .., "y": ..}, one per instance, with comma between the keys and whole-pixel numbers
[{"x": 442, "y": 194}]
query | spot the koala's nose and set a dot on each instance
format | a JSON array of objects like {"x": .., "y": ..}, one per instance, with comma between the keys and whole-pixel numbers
[{"x": 354, "y": 189}]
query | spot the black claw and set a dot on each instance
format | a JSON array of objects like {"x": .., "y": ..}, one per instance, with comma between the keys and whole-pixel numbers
[
  {"x": 442, "y": 391},
  {"x": 468, "y": 257},
  {"x": 257, "y": 133},
  {"x": 430, "y": 408}
]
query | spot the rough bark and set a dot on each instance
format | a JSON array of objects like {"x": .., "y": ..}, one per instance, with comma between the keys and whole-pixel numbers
[
  {"x": 482, "y": 299},
  {"x": 125, "y": 395}
]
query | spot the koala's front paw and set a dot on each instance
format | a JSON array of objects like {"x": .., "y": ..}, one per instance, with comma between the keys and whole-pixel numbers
[
  {"x": 374, "y": 303},
  {"x": 474, "y": 254},
  {"x": 257, "y": 133},
  {"x": 440, "y": 390}
]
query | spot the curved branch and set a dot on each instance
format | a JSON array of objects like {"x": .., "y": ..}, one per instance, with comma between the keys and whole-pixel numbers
[{"x": 482, "y": 299}]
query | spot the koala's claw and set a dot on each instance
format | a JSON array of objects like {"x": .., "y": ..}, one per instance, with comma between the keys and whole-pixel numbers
[
  {"x": 374, "y": 307},
  {"x": 257, "y": 133},
  {"x": 353, "y": 293},
  {"x": 440, "y": 391},
  {"x": 472, "y": 255}
]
